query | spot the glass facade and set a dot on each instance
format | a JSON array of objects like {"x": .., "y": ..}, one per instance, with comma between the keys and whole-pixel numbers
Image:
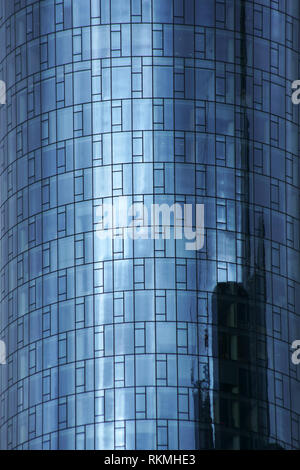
[{"x": 142, "y": 344}]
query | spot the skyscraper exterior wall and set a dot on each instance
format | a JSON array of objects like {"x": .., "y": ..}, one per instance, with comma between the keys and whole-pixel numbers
[{"x": 143, "y": 344}]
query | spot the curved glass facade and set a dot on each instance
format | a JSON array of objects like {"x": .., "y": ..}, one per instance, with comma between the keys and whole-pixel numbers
[{"x": 142, "y": 344}]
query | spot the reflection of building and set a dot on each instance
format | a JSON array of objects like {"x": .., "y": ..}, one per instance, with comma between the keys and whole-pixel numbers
[
  {"x": 241, "y": 410},
  {"x": 244, "y": 414},
  {"x": 154, "y": 101}
]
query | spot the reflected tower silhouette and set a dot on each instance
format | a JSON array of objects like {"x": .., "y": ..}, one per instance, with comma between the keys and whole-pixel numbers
[
  {"x": 240, "y": 373},
  {"x": 238, "y": 311}
]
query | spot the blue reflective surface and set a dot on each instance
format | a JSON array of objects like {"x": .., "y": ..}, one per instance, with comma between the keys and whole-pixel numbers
[{"x": 143, "y": 344}]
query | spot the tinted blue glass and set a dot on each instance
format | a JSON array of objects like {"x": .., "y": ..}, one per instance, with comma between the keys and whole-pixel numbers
[
  {"x": 120, "y": 11},
  {"x": 162, "y": 11},
  {"x": 81, "y": 13},
  {"x": 122, "y": 344},
  {"x": 141, "y": 40}
]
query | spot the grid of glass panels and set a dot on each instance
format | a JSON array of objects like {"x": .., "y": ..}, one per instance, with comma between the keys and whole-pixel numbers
[{"x": 120, "y": 344}]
